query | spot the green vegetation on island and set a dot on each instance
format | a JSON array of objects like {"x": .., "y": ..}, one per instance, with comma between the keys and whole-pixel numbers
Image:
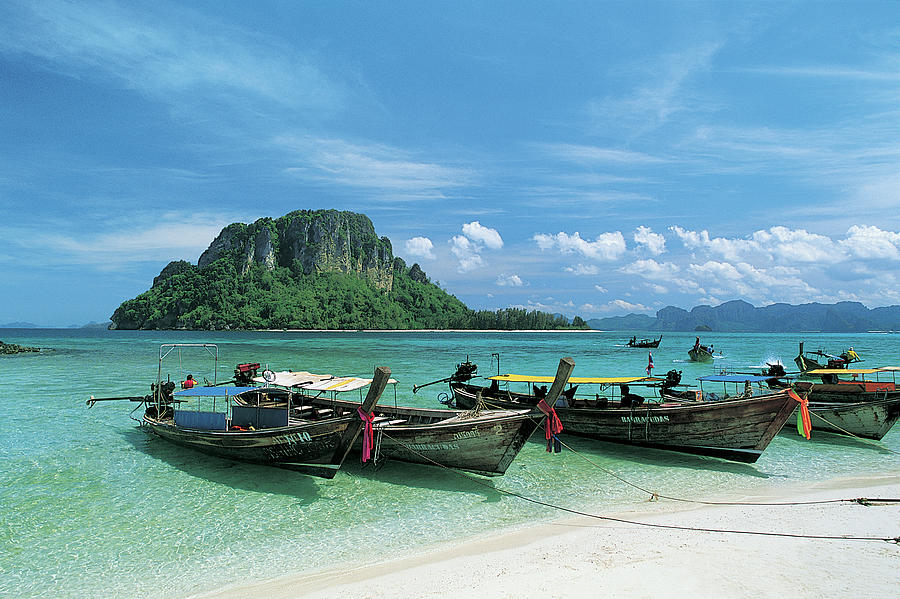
[
  {"x": 12, "y": 348},
  {"x": 309, "y": 270}
]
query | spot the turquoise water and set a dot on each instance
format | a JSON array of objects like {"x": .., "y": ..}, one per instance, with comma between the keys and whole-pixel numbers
[{"x": 92, "y": 506}]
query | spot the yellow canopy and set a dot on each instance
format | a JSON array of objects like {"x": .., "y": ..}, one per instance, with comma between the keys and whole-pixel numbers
[
  {"x": 575, "y": 380},
  {"x": 845, "y": 370},
  {"x": 890, "y": 369}
]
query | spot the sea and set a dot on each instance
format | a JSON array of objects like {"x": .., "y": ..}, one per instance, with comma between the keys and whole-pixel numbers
[{"x": 91, "y": 505}]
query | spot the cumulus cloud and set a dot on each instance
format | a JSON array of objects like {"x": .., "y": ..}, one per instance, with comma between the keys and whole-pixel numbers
[
  {"x": 509, "y": 280},
  {"x": 776, "y": 244},
  {"x": 468, "y": 247},
  {"x": 868, "y": 242},
  {"x": 466, "y": 252},
  {"x": 420, "y": 246},
  {"x": 479, "y": 233},
  {"x": 607, "y": 247},
  {"x": 652, "y": 242}
]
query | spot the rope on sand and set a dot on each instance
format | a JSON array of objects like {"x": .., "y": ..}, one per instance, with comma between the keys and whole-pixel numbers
[{"x": 861, "y": 501}]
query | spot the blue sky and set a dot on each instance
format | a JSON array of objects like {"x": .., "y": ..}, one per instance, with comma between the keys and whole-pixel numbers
[{"x": 590, "y": 158}]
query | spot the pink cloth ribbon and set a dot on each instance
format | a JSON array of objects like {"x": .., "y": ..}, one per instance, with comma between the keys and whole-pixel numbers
[
  {"x": 368, "y": 434},
  {"x": 552, "y": 425},
  {"x": 805, "y": 422}
]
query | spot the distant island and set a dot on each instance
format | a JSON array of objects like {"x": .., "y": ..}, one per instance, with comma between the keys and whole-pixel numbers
[
  {"x": 12, "y": 348},
  {"x": 309, "y": 269},
  {"x": 739, "y": 316}
]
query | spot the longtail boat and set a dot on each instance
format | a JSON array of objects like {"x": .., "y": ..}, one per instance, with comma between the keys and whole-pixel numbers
[
  {"x": 700, "y": 353},
  {"x": 644, "y": 343},
  {"x": 808, "y": 361},
  {"x": 736, "y": 429},
  {"x": 251, "y": 423},
  {"x": 478, "y": 440}
]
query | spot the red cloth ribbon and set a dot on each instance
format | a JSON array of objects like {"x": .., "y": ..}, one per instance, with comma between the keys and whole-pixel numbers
[
  {"x": 804, "y": 413},
  {"x": 368, "y": 434},
  {"x": 552, "y": 425}
]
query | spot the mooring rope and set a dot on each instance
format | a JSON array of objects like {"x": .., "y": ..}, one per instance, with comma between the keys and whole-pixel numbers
[
  {"x": 467, "y": 476},
  {"x": 858, "y": 438}
]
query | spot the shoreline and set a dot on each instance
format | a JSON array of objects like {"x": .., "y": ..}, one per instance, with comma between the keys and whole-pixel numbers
[{"x": 583, "y": 556}]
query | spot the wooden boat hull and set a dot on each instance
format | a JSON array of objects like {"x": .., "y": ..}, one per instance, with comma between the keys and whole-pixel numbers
[
  {"x": 308, "y": 448},
  {"x": 485, "y": 443},
  {"x": 644, "y": 344},
  {"x": 699, "y": 355},
  {"x": 866, "y": 419},
  {"x": 738, "y": 429}
]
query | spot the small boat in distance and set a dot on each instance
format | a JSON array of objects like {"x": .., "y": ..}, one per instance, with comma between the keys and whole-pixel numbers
[
  {"x": 700, "y": 353},
  {"x": 644, "y": 343}
]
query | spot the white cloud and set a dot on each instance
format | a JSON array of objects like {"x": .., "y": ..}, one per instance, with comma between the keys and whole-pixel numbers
[
  {"x": 508, "y": 280},
  {"x": 601, "y": 288},
  {"x": 620, "y": 305},
  {"x": 468, "y": 247},
  {"x": 868, "y": 242},
  {"x": 466, "y": 252},
  {"x": 653, "y": 242},
  {"x": 774, "y": 245},
  {"x": 606, "y": 247},
  {"x": 583, "y": 269},
  {"x": 164, "y": 241},
  {"x": 421, "y": 247},
  {"x": 387, "y": 169},
  {"x": 478, "y": 232},
  {"x": 176, "y": 55}
]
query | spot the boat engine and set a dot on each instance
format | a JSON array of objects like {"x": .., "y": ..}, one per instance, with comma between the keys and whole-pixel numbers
[
  {"x": 464, "y": 372},
  {"x": 244, "y": 374},
  {"x": 673, "y": 377}
]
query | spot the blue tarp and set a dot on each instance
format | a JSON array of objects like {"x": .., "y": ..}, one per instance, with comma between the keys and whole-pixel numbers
[
  {"x": 213, "y": 391},
  {"x": 204, "y": 421},
  {"x": 733, "y": 378}
]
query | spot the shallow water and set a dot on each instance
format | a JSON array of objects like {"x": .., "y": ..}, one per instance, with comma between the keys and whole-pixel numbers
[{"x": 92, "y": 506}]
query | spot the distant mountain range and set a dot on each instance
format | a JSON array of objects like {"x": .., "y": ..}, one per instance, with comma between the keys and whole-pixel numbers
[
  {"x": 31, "y": 325},
  {"x": 739, "y": 316}
]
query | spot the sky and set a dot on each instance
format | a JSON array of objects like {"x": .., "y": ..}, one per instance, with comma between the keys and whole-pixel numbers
[{"x": 584, "y": 158}]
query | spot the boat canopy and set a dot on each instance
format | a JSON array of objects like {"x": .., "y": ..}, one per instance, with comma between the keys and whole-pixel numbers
[
  {"x": 293, "y": 378},
  {"x": 846, "y": 370},
  {"x": 733, "y": 378},
  {"x": 213, "y": 391},
  {"x": 575, "y": 380},
  {"x": 340, "y": 383}
]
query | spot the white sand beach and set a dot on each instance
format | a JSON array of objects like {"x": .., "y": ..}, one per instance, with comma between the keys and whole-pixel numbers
[{"x": 588, "y": 557}]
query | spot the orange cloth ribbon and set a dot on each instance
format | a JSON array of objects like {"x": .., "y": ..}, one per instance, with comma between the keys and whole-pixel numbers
[
  {"x": 368, "y": 434},
  {"x": 552, "y": 425},
  {"x": 804, "y": 425}
]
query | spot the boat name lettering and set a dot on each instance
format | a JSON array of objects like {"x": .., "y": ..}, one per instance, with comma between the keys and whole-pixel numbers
[
  {"x": 433, "y": 446},
  {"x": 644, "y": 419},
  {"x": 465, "y": 435}
]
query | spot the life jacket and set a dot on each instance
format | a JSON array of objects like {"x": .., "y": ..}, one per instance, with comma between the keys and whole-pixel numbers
[{"x": 188, "y": 384}]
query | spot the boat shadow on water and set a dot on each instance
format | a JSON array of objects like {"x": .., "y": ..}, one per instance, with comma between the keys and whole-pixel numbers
[
  {"x": 396, "y": 472},
  {"x": 597, "y": 450},
  {"x": 836, "y": 441},
  {"x": 239, "y": 475}
]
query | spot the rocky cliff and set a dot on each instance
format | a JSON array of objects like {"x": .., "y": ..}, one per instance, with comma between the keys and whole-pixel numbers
[{"x": 308, "y": 241}]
